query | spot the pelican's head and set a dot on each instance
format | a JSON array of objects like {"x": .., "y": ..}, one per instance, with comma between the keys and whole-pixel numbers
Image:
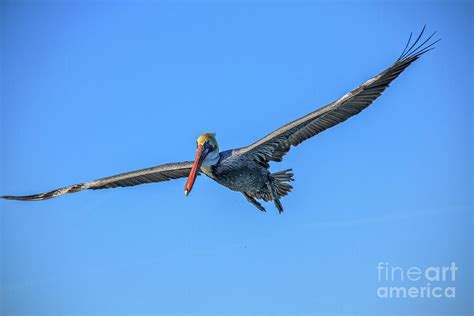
[{"x": 207, "y": 154}]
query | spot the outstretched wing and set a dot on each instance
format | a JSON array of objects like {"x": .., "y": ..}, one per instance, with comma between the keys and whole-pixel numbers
[
  {"x": 155, "y": 174},
  {"x": 275, "y": 145}
]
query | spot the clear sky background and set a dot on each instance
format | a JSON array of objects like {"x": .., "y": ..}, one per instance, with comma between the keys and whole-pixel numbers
[{"x": 91, "y": 89}]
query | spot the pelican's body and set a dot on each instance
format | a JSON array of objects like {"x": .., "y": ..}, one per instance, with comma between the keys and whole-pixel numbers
[
  {"x": 236, "y": 173},
  {"x": 240, "y": 175},
  {"x": 249, "y": 177},
  {"x": 246, "y": 169}
]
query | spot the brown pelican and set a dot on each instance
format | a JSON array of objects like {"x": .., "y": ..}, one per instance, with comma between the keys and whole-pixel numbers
[{"x": 246, "y": 169}]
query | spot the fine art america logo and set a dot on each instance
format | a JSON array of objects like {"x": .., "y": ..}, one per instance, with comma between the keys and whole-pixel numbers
[{"x": 416, "y": 282}]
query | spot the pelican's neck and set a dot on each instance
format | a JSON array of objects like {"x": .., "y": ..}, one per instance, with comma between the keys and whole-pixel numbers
[{"x": 212, "y": 158}]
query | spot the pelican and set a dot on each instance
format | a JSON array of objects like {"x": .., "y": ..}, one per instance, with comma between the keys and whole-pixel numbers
[{"x": 246, "y": 169}]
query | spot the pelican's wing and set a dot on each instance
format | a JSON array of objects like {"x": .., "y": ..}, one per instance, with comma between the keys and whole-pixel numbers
[
  {"x": 275, "y": 145},
  {"x": 155, "y": 174}
]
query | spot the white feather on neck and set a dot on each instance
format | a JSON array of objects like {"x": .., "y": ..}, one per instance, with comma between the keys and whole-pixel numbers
[{"x": 212, "y": 158}]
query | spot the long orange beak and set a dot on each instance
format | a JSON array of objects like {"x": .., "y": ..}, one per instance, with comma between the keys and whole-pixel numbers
[{"x": 201, "y": 154}]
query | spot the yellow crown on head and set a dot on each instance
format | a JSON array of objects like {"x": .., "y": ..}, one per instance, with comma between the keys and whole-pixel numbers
[{"x": 207, "y": 137}]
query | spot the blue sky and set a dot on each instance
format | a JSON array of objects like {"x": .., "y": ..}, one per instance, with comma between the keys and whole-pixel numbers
[{"x": 91, "y": 89}]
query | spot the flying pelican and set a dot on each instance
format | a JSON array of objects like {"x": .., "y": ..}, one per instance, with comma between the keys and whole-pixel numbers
[{"x": 246, "y": 169}]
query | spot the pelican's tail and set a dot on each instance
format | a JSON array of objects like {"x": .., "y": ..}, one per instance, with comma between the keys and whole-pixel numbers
[{"x": 280, "y": 182}]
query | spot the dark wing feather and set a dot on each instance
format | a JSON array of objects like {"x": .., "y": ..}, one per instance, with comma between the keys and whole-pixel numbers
[
  {"x": 160, "y": 173},
  {"x": 275, "y": 145}
]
